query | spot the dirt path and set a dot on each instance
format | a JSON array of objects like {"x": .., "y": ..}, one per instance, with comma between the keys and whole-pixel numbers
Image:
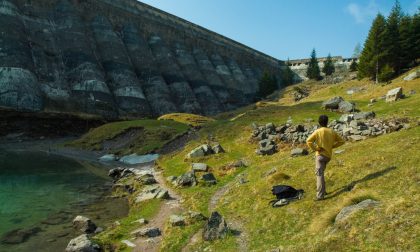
[
  {"x": 168, "y": 207},
  {"x": 234, "y": 224}
]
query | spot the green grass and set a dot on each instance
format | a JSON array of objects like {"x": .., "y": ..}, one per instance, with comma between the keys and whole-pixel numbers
[
  {"x": 306, "y": 225},
  {"x": 153, "y": 134},
  {"x": 190, "y": 119}
]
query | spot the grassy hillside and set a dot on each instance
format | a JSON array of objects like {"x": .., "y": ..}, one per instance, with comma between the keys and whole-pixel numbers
[
  {"x": 384, "y": 168},
  {"x": 139, "y": 136}
]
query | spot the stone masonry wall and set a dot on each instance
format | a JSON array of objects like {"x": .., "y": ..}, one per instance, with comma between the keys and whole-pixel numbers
[{"x": 120, "y": 59}]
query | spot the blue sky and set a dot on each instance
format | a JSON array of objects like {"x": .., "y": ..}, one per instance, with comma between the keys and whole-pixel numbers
[{"x": 287, "y": 28}]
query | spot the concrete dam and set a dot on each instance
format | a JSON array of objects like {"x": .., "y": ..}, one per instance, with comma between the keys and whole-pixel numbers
[{"x": 120, "y": 59}]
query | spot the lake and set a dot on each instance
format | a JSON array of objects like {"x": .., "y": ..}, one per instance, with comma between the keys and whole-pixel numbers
[{"x": 40, "y": 194}]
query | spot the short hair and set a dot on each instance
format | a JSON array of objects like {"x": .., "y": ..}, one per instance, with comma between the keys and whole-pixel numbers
[{"x": 323, "y": 120}]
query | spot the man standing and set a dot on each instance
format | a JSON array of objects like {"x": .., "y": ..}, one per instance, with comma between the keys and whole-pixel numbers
[{"x": 323, "y": 140}]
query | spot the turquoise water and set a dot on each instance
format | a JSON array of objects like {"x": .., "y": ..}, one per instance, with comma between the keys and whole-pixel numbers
[{"x": 47, "y": 192}]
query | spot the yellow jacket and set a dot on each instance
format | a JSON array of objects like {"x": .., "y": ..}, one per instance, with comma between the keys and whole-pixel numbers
[{"x": 323, "y": 140}]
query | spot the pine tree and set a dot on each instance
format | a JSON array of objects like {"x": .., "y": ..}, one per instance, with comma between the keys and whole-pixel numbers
[
  {"x": 287, "y": 74},
  {"x": 353, "y": 66},
  {"x": 313, "y": 71},
  {"x": 407, "y": 52},
  {"x": 392, "y": 47},
  {"x": 328, "y": 68},
  {"x": 267, "y": 84},
  {"x": 372, "y": 57},
  {"x": 415, "y": 36}
]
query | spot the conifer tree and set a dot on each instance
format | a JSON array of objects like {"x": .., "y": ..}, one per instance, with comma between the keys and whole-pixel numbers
[
  {"x": 328, "y": 68},
  {"x": 353, "y": 66},
  {"x": 415, "y": 36},
  {"x": 287, "y": 74},
  {"x": 407, "y": 52},
  {"x": 391, "y": 40},
  {"x": 372, "y": 57},
  {"x": 313, "y": 71}
]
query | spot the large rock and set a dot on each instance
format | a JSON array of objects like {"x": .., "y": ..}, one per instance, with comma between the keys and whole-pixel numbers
[
  {"x": 186, "y": 179},
  {"x": 346, "y": 107},
  {"x": 349, "y": 210},
  {"x": 177, "y": 220},
  {"x": 215, "y": 227},
  {"x": 209, "y": 179},
  {"x": 217, "y": 148},
  {"x": 299, "y": 152},
  {"x": 84, "y": 224},
  {"x": 332, "y": 103},
  {"x": 394, "y": 94},
  {"x": 152, "y": 192},
  {"x": 199, "y": 167},
  {"x": 364, "y": 115},
  {"x": 82, "y": 243},
  {"x": 147, "y": 232},
  {"x": 412, "y": 76}
]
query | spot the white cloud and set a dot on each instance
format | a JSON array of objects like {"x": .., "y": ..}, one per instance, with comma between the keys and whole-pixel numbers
[{"x": 362, "y": 14}]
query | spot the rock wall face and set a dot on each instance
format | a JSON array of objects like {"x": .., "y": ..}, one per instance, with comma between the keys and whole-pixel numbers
[{"x": 120, "y": 59}]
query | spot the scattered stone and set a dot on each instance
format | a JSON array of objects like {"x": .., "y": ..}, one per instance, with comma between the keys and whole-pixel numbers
[
  {"x": 147, "y": 232},
  {"x": 364, "y": 115},
  {"x": 108, "y": 158},
  {"x": 209, "y": 179},
  {"x": 267, "y": 147},
  {"x": 186, "y": 179},
  {"x": 84, "y": 224},
  {"x": 197, "y": 152},
  {"x": 270, "y": 172},
  {"x": 98, "y": 230},
  {"x": 119, "y": 172},
  {"x": 193, "y": 217},
  {"x": 217, "y": 148},
  {"x": 299, "y": 152},
  {"x": 309, "y": 120},
  {"x": 177, "y": 220},
  {"x": 171, "y": 179},
  {"x": 332, "y": 103},
  {"x": 394, "y": 94},
  {"x": 18, "y": 235},
  {"x": 141, "y": 221},
  {"x": 356, "y": 138},
  {"x": 199, "y": 167},
  {"x": 128, "y": 243},
  {"x": 346, "y": 118},
  {"x": 346, "y": 107},
  {"x": 146, "y": 179},
  {"x": 299, "y": 93},
  {"x": 152, "y": 192},
  {"x": 412, "y": 76},
  {"x": 373, "y": 100},
  {"x": 412, "y": 92},
  {"x": 82, "y": 243},
  {"x": 349, "y": 210},
  {"x": 215, "y": 228}
]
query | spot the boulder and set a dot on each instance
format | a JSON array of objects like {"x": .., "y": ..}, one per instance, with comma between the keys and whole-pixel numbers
[
  {"x": 141, "y": 221},
  {"x": 332, "y": 103},
  {"x": 346, "y": 118},
  {"x": 152, "y": 192},
  {"x": 349, "y": 210},
  {"x": 177, "y": 220},
  {"x": 147, "y": 232},
  {"x": 345, "y": 106},
  {"x": 209, "y": 179},
  {"x": 193, "y": 217},
  {"x": 146, "y": 179},
  {"x": 128, "y": 243},
  {"x": 364, "y": 115},
  {"x": 267, "y": 150},
  {"x": 186, "y": 179},
  {"x": 394, "y": 94},
  {"x": 18, "y": 235},
  {"x": 199, "y": 167},
  {"x": 356, "y": 138},
  {"x": 217, "y": 148},
  {"x": 412, "y": 76},
  {"x": 204, "y": 150},
  {"x": 299, "y": 152},
  {"x": 82, "y": 243},
  {"x": 171, "y": 179},
  {"x": 215, "y": 228},
  {"x": 84, "y": 224}
]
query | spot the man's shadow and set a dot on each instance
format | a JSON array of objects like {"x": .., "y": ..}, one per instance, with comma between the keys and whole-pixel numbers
[{"x": 350, "y": 186}]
